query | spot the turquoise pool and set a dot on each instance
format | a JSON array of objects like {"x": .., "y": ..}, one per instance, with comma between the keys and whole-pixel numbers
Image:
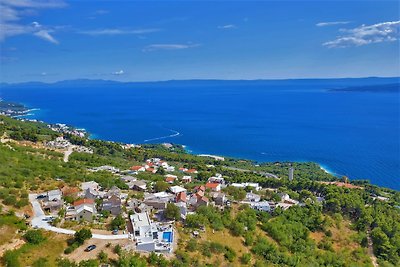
[{"x": 168, "y": 236}]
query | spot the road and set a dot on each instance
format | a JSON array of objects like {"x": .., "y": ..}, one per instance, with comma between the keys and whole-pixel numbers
[
  {"x": 371, "y": 249},
  {"x": 39, "y": 215},
  {"x": 68, "y": 152}
]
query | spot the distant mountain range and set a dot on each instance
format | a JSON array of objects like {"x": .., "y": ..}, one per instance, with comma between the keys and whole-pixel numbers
[
  {"x": 381, "y": 88},
  {"x": 345, "y": 84}
]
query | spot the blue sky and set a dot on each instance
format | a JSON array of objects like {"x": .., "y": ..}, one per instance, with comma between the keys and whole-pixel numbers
[{"x": 51, "y": 40}]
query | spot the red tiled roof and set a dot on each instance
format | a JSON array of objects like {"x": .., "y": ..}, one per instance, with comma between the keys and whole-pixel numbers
[
  {"x": 191, "y": 170},
  {"x": 200, "y": 188},
  {"x": 204, "y": 199},
  {"x": 212, "y": 185},
  {"x": 200, "y": 193},
  {"x": 150, "y": 169},
  {"x": 83, "y": 201},
  {"x": 170, "y": 179},
  {"x": 136, "y": 168},
  {"x": 181, "y": 197}
]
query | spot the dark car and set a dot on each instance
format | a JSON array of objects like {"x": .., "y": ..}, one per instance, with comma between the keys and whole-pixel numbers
[
  {"x": 40, "y": 197},
  {"x": 115, "y": 232},
  {"x": 90, "y": 248}
]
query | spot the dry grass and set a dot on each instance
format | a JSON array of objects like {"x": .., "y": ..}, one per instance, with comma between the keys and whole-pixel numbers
[
  {"x": 101, "y": 245},
  {"x": 50, "y": 249}
]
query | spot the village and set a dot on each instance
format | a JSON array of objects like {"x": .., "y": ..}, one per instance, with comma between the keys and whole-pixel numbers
[{"x": 144, "y": 209}]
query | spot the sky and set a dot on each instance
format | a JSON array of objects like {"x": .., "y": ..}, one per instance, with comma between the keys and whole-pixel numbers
[{"x": 52, "y": 40}]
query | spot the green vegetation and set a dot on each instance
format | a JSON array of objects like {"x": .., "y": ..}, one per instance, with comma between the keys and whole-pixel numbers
[
  {"x": 172, "y": 212},
  {"x": 34, "y": 236},
  {"x": 329, "y": 233}
]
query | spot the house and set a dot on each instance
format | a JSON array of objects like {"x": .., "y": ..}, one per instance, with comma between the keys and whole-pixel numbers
[
  {"x": 150, "y": 236},
  {"x": 158, "y": 200},
  {"x": 114, "y": 191},
  {"x": 170, "y": 178},
  {"x": 52, "y": 206},
  {"x": 199, "y": 188},
  {"x": 112, "y": 204},
  {"x": 91, "y": 194},
  {"x": 83, "y": 209},
  {"x": 152, "y": 170},
  {"x": 180, "y": 197},
  {"x": 285, "y": 198},
  {"x": 105, "y": 168},
  {"x": 196, "y": 200},
  {"x": 192, "y": 171},
  {"x": 177, "y": 189},
  {"x": 255, "y": 186},
  {"x": 219, "y": 198},
  {"x": 128, "y": 178},
  {"x": 217, "y": 179},
  {"x": 138, "y": 168},
  {"x": 261, "y": 206},
  {"x": 251, "y": 197},
  {"x": 213, "y": 186},
  {"x": 183, "y": 209},
  {"x": 283, "y": 206},
  {"x": 202, "y": 201},
  {"x": 139, "y": 185},
  {"x": 137, "y": 206},
  {"x": 92, "y": 185},
  {"x": 186, "y": 179},
  {"x": 54, "y": 195},
  {"x": 182, "y": 169}
]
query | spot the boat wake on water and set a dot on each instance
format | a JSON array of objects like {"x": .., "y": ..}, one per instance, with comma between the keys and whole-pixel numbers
[{"x": 175, "y": 134}]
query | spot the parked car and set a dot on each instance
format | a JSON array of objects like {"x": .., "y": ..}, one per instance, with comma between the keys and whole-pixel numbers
[
  {"x": 115, "y": 232},
  {"x": 48, "y": 219},
  {"x": 90, "y": 248},
  {"x": 40, "y": 197}
]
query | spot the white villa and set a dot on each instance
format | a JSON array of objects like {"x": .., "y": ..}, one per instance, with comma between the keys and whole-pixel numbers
[{"x": 150, "y": 236}]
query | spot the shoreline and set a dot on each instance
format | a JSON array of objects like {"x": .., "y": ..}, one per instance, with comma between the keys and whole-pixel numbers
[{"x": 187, "y": 149}]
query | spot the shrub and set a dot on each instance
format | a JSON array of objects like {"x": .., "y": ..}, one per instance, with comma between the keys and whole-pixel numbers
[
  {"x": 41, "y": 262},
  {"x": 34, "y": 236},
  {"x": 230, "y": 254},
  {"x": 246, "y": 258}
]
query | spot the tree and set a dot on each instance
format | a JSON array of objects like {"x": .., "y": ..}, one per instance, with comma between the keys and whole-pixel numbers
[
  {"x": 102, "y": 256},
  {"x": 172, "y": 212},
  {"x": 82, "y": 235},
  {"x": 160, "y": 186},
  {"x": 34, "y": 236},
  {"x": 118, "y": 223}
]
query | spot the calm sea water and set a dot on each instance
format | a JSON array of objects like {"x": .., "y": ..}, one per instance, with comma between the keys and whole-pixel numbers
[{"x": 354, "y": 134}]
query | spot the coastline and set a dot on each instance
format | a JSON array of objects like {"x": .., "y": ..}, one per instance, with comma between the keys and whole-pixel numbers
[{"x": 192, "y": 151}]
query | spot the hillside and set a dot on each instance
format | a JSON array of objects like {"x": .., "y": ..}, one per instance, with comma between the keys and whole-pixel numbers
[{"x": 329, "y": 225}]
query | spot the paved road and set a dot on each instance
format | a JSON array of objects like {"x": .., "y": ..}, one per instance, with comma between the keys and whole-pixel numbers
[{"x": 39, "y": 215}]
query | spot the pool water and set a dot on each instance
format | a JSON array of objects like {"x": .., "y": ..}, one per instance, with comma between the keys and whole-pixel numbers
[{"x": 167, "y": 236}]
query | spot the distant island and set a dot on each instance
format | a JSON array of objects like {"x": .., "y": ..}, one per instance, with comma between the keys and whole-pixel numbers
[{"x": 381, "y": 88}]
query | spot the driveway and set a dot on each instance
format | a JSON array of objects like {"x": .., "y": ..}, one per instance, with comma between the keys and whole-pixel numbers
[{"x": 39, "y": 215}]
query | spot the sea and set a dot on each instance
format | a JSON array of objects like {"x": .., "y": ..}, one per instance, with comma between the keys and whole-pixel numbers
[{"x": 353, "y": 133}]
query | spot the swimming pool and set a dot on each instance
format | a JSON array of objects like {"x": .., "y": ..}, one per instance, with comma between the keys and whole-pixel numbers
[{"x": 168, "y": 236}]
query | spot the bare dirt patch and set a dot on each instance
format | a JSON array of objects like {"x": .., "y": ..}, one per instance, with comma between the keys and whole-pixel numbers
[{"x": 101, "y": 245}]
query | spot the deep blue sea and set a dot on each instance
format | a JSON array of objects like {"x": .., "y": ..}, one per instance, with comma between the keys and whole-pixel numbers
[{"x": 353, "y": 133}]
